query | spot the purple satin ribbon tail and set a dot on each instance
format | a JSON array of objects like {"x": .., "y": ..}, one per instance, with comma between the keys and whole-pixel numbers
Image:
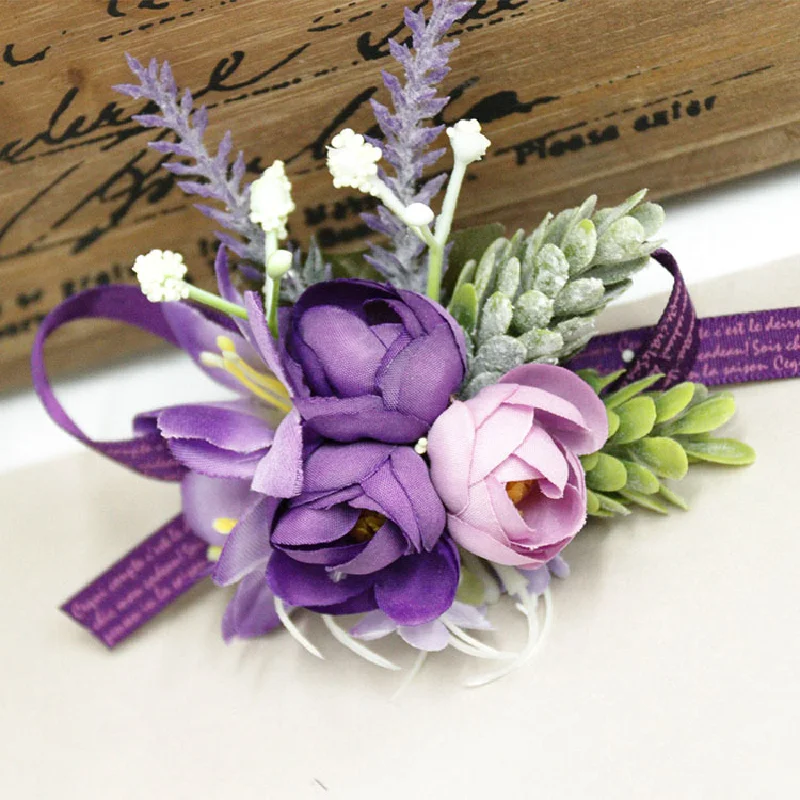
[
  {"x": 141, "y": 584},
  {"x": 737, "y": 348},
  {"x": 148, "y": 455},
  {"x": 671, "y": 345}
]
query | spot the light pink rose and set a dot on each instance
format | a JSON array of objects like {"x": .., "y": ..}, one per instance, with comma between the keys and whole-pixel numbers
[{"x": 505, "y": 463}]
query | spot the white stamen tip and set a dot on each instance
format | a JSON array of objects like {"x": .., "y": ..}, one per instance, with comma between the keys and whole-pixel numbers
[
  {"x": 161, "y": 275},
  {"x": 352, "y": 161},
  {"x": 271, "y": 200},
  {"x": 418, "y": 214},
  {"x": 628, "y": 356},
  {"x": 467, "y": 141},
  {"x": 279, "y": 263},
  {"x": 421, "y": 447}
]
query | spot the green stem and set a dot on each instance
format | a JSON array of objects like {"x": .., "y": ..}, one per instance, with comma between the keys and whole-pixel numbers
[
  {"x": 215, "y": 301},
  {"x": 435, "y": 261},
  {"x": 442, "y": 230},
  {"x": 271, "y": 287}
]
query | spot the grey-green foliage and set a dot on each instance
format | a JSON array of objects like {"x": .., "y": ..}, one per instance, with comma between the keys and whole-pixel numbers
[
  {"x": 655, "y": 436},
  {"x": 305, "y": 272},
  {"x": 535, "y": 297}
]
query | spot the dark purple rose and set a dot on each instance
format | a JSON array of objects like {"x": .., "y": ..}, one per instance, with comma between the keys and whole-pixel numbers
[
  {"x": 365, "y": 533},
  {"x": 368, "y": 361}
]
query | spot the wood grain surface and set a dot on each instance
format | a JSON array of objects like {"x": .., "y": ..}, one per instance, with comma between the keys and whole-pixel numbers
[{"x": 576, "y": 96}]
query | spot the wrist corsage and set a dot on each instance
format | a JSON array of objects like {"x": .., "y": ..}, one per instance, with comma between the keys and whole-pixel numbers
[{"x": 415, "y": 431}]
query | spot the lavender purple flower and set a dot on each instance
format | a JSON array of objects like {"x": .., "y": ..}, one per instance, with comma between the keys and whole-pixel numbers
[
  {"x": 212, "y": 177},
  {"x": 407, "y": 136}
]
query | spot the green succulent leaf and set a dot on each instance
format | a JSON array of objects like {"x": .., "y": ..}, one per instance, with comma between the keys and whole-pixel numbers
[
  {"x": 470, "y": 588},
  {"x": 597, "y": 381},
  {"x": 579, "y": 246},
  {"x": 650, "y": 216},
  {"x": 612, "y": 506},
  {"x": 608, "y": 475},
  {"x": 636, "y": 419},
  {"x": 464, "y": 307},
  {"x": 647, "y": 501},
  {"x": 613, "y": 422},
  {"x": 495, "y": 317},
  {"x": 554, "y": 281},
  {"x": 673, "y": 497},
  {"x": 499, "y": 354},
  {"x": 592, "y": 502},
  {"x": 641, "y": 479},
  {"x": 552, "y": 270},
  {"x": 631, "y": 390},
  {"x": 662, "y": 455},
  {"x": 730, "y": 452},
  {"x": 532, "y": 309},
  {"x": 671, "y": 402},
  {"x": 706, "y": 416},
  {"x": 589, "y": 461},
  {"x": 606, "y": 217},
  {"x": 465, "y": 246},
  {"x": 352, "y": 265}
]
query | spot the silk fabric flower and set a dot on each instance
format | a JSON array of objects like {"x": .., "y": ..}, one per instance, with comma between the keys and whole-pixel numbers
[
  {"x": 365, "y": 533},
  {"x": 212, "y": 508},
  {"x": 369, "y": 361},
  {"x": 505, "y": 464}
]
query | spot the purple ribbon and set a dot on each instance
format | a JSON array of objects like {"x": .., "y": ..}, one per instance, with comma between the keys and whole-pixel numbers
[
  {"x": 737, "y": 348},
  {"x": 671, "y": 346},
  {"x": 171, "y": 560},
  {"x": 141, "y": 584},
  {"x": 148, "y": 454}
]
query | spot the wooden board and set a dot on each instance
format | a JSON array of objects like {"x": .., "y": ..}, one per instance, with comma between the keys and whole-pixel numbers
[{"x": 576, "y": 96}]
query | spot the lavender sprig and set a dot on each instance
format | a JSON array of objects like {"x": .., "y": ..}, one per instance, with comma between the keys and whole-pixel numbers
[
  {"x": 218, "y": 179},
  {"x": 407, "y": 136}
]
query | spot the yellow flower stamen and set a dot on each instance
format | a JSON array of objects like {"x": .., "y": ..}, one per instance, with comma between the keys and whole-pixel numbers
[
  {"x": 262, "y": 385},
  {"x": 367, "y": 525},
  {"x": 214, "y": 552},
  {"x": 224, "y": 525}
]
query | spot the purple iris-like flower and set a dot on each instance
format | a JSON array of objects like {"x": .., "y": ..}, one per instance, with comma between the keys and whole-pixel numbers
[
  {"x": 367, "y": 361},
  {"x": 365, "y": 533},
  {"x": 211, "y": 507}
]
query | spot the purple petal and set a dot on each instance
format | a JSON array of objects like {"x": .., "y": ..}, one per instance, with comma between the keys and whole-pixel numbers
[
  {"x": 226, "y": 425},
  {"x": 538, "y": 578},
  {"x": 213, "y": 461},
  {"x": 467, "y": 616},
  {"x": 334, "y": 466},
  {"x": 431, "y": 636},
  {"x": 262, "y": 338},
  {"x": 385, "y": 547},
  {"x": 418, "y": 589},
  {"x": 305, "y": 526},
  {"x": 247, "y": 546},
  {"x": 374, "y": 625},
  {"x": 354, "y": 418},
  {"x": 196, "y": 334},
  {"x": 558, "y": 567},
  {"x": 565, "y": 383},
  {"x": 310, "y": 585},
  {"x": 348, "y": 350},
  {"x": 205, "y": 499},
  {"x": 251, "y": 612},
  {"x": 421, "y": 378},
  {"x": 280, "y": 472}
]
